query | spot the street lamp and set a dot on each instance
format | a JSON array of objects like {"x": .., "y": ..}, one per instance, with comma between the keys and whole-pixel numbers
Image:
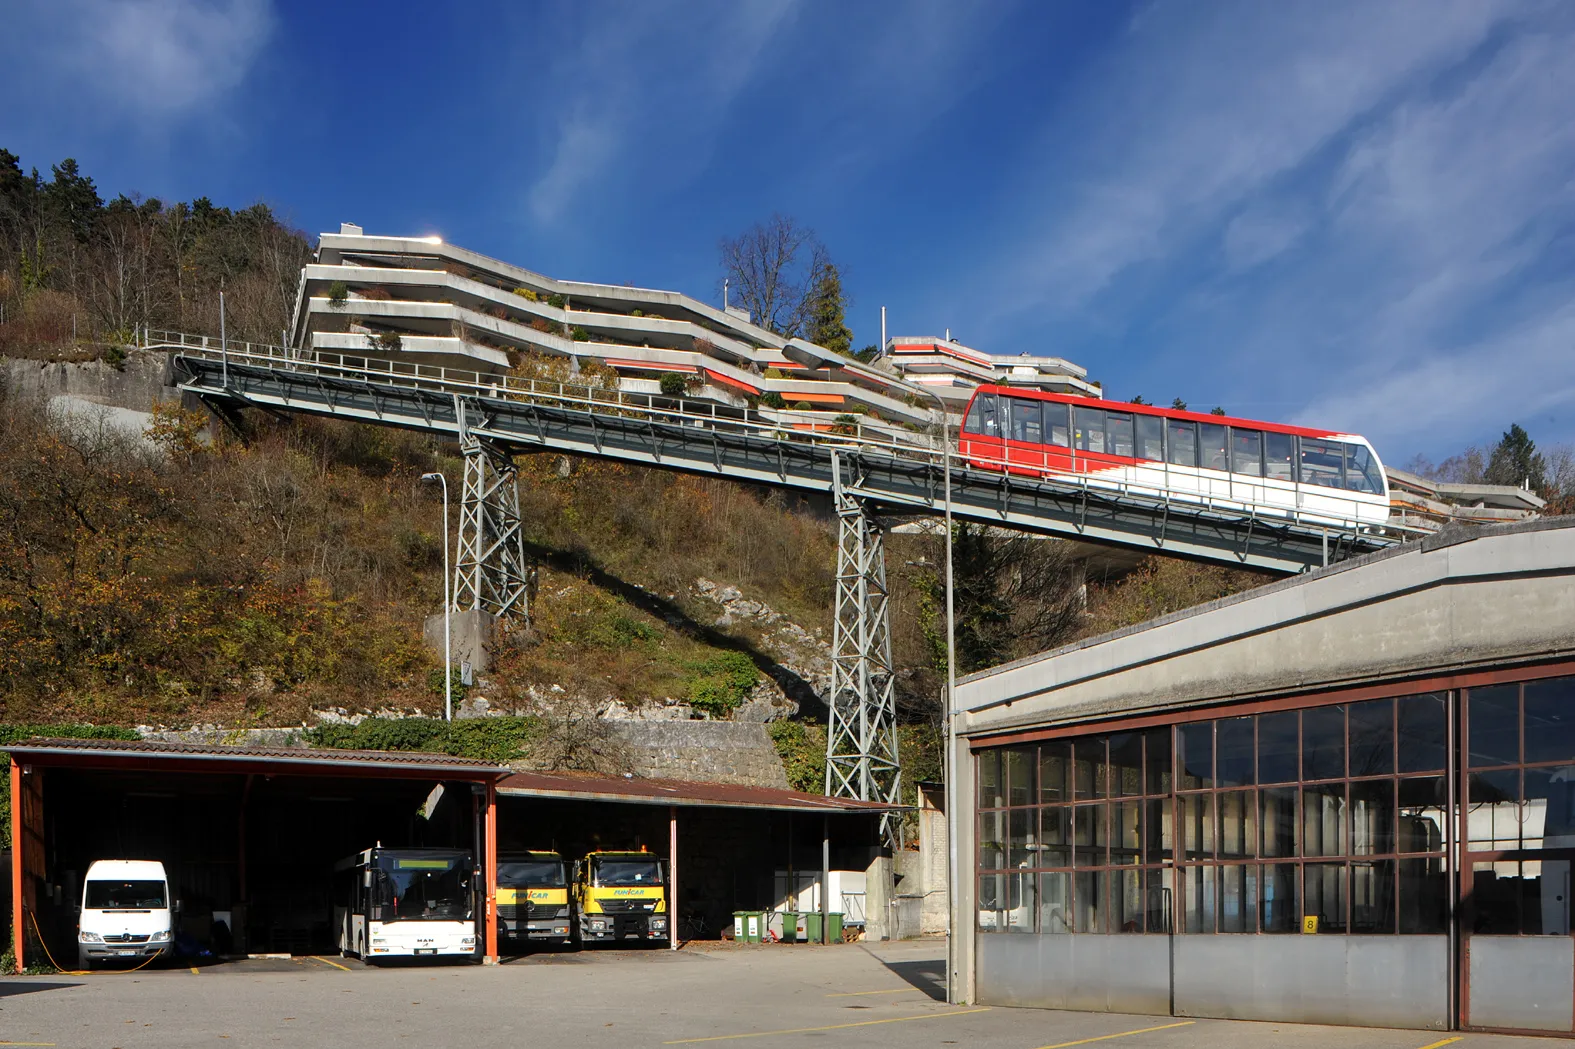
[
  {"x": 448, "y": 605},
  {"x": 952, "y": 813}
]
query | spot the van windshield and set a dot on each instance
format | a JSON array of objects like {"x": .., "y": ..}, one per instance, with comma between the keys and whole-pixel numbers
[{"x": 124, "y": 895}]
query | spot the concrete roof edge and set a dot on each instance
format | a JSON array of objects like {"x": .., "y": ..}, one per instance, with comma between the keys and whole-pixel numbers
[{"x": 1450, "y": 536}]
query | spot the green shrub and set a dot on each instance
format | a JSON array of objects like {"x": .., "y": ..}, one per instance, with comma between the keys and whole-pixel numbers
[
  {"x": 719, "y": 685},
  {"x": 802, "y": 749},
  {"x": 527, "y": 294},
  {"x": 845, "y": 424},
  {"x": 775, "y": 373},
  {"x": 498, "y": 739},
  {"x": 338, "y": 294},
  {"x": 556, "y": 301},
  {"x": 581, "y": 335},
  {"x": 672, "y": 385},
  {"x": 115, "y": 357},
  {"x": 803, "y": 406},
  {"x": 772, "y": 399},
  {"x": 637, "y": 313}
]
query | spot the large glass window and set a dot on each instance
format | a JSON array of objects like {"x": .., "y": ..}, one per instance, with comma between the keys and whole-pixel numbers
[
  {"x": 982, "y": 417},
  {"x": 1252, "y": 823},
  {"x": 1057, "y": 431},
  {"x": 1520, "y": 785},
  {"x": 1362, "y": 472}
]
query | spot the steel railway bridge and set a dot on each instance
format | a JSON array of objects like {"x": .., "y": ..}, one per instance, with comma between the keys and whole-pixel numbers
[{"x": 870, "y": 476}]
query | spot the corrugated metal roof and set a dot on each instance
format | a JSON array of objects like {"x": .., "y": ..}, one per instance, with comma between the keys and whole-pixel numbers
[
  {"x": 158, "y": 750},
  {"x": 686, "y": 793}
]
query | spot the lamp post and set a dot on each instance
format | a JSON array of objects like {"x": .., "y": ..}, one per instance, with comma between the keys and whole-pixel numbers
[
  {"x": 952, "y": 814},
  {"x": 448, "y": 605}
]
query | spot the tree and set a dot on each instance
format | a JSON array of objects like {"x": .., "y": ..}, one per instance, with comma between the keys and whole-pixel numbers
[
  {"x": 1516, "y": 461},
  {"x": 1216, "y": 410},
  {"x": 771, "y": 270},
  {"x": 1138, "y": 399},
  {"x": 1179, "y": 404},
  {"x": 827, "y": 312}
]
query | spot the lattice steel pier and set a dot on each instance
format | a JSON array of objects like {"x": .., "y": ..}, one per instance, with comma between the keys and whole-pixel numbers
[
  {"x": 861, "y": 737},
  {"x": 490, "y": 573}
]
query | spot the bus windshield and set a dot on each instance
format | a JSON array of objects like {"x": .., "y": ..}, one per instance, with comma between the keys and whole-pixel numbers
[
  {"x": 628, "y": 872},
  {"x": 425, "y": 888},
  {"x": 124, "y": 895},
  {"x": 547, "y": 873}
]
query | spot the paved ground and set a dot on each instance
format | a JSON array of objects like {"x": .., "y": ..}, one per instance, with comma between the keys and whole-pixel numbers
[{"x": 766, "y": 997}]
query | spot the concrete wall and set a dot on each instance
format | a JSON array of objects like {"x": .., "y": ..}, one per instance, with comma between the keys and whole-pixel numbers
[
  {"x": 711, "y": 751},
  {"x": 1454, "y": 601},
  {"x": 138, "y": 384},
  {"x": 1372, "y": 981}
]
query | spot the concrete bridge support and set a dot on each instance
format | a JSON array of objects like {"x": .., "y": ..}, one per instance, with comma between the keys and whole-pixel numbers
[{"x": 861, "y": 737}]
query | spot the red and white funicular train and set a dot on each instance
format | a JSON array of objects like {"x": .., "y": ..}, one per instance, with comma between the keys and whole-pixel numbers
[{"x": 1266, "y": 469}]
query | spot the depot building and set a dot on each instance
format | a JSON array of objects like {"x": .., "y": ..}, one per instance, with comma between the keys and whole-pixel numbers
[{"x": 1346, "y": 797}]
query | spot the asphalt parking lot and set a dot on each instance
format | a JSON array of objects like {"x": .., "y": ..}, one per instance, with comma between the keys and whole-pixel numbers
[{"x": 762, "y": 997}]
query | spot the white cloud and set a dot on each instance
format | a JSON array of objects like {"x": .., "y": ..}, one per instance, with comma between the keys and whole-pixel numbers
[
  {"x": 154, "y": 59},
  {"x": 647, "y": 88},
  {"x": 1198, "y": 111}
]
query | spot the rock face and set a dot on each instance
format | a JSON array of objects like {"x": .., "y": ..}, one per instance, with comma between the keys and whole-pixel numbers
[{"x": 801, "y": 676}]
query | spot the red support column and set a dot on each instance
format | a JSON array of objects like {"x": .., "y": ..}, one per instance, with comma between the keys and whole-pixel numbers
[
  {"x": 17, "y": 938},
  {"x": 491, "y": 862}
]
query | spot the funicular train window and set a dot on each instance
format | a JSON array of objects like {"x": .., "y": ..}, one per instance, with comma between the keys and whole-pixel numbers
[
  {"x": 982, "y": 416},
  {"x": 1118, "y": 434},
  {"x": 1089, "y": 424},
  {"x": 1213, "y": 449},
  {"x": 1151, "y": 438},
  {"x": 1246, "y": 452},
  {"x": 1322, "y": 462},
  {"x": 1279, "y": 462},
  {"x": 1057, "y": 430},
  {"x": 1026, "y": 421},
  {"x": 1182, "y": 442},
  {"x": 1362, "y": 473}
]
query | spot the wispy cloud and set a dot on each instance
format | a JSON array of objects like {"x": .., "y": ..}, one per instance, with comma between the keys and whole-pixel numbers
[
  {"x": 1356, "y": 215},
  {"x": 654, "y": 81},
  {"x": 151, "y": 59}
]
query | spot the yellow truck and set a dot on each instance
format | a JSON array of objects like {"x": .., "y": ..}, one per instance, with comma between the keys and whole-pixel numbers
[
  {"x": 533, "y": 899},
  {"x": 621, "y": 896}
]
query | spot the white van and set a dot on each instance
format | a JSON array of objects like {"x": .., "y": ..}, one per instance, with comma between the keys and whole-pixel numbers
[{"x": 127, "y": 913}]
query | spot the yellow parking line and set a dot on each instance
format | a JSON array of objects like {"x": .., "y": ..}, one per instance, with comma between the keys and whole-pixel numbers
[
  {"x": 855, "y": 994},
  {"x": 325, "y": 961},
  {"x": 1446, "y": 1041},
  {"x": 1122, "y": 1034},
  {"x": 830, "y": 1027}
]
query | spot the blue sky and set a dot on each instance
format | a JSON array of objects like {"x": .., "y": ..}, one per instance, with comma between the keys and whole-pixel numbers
[{"x": 1359, "y": 215}]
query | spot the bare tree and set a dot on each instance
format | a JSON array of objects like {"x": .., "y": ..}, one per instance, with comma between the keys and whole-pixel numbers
[{"x": 771, "y": 269}]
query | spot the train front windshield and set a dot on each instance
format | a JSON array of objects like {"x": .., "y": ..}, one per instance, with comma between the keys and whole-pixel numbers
[{"x": 425, "y": 888}]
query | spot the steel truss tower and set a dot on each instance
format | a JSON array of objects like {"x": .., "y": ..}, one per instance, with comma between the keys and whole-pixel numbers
[
  {"x": 861, "y": 733},
  {"x": 491, "y": 573}
]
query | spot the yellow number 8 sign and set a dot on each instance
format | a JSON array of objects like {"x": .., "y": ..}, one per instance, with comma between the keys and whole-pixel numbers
[{"x": 1310, "y": 923}]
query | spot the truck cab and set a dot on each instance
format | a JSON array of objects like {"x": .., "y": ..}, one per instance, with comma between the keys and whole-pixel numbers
[
  {"x": 127, "y": 914},
  {"x": 621, "y": 896},
  {"x": 533, "y": 898}
]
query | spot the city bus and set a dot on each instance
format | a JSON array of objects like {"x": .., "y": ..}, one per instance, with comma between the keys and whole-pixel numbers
[{"x": 405, "y": 903}]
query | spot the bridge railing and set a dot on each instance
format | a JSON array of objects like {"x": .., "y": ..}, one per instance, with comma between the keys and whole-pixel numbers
[{"x": 849, "y": 433}]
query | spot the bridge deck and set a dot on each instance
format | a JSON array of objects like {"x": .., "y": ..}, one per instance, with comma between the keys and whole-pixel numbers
[{"x": 899, "y": 474}]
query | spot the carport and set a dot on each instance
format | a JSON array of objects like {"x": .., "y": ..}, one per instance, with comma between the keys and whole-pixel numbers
[
  {"x": 727, "y": 845},
  {"x": 248, "y": 835}
]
